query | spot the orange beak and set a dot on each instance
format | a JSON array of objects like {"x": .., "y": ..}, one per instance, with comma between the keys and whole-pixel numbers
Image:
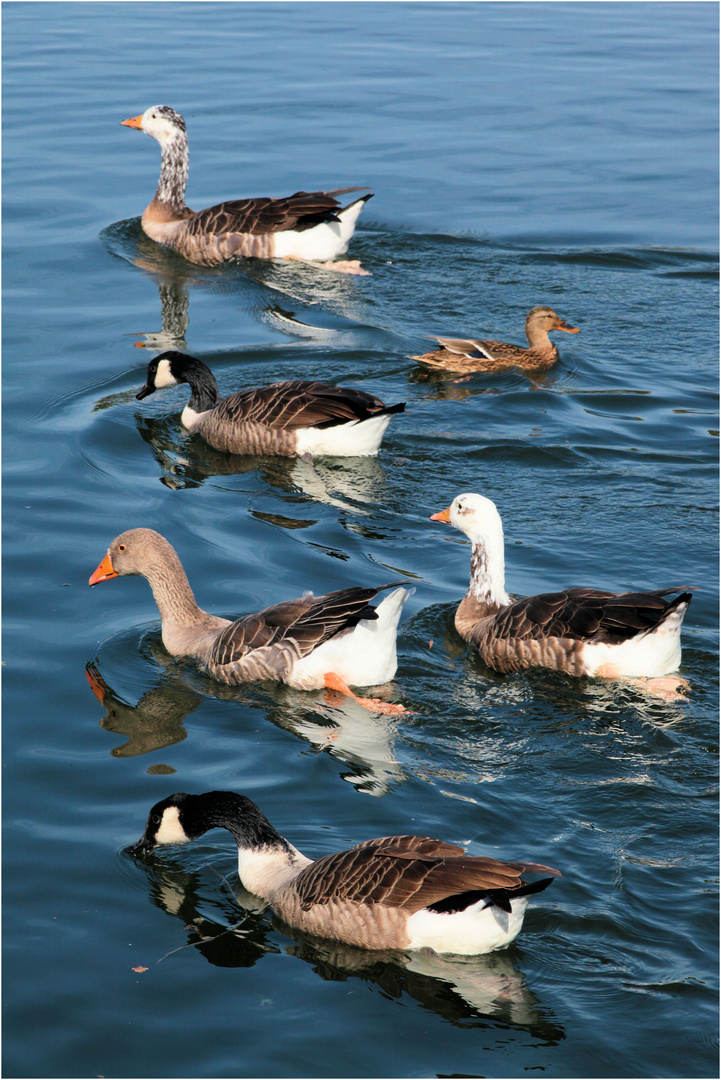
[
  {"x": 97, "y": 685},
  {"x": 104, "y": 572},
  {"x": 561, "y": 325},
  {"x": 442, "y": 515},
  {"x": 134, "y": 121}
]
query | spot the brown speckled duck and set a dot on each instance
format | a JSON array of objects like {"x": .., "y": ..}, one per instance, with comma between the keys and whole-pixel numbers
[
  {"x": 315, "y": 641},
  {"x": 466, "y": 355},
  {"x": 310, "y": 227},
  {"x": 288, "y": 419},
  {"x": 580, "y": 631},
  {"x": 396, "y": 892}
]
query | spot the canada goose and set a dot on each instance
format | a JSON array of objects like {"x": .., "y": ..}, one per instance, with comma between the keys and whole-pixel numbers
[
  {"x": 396, "y": 892},
  {"x": 470, "y": 354},
  {"x": 285, "y": 418},
  {"x": 308, "y": 226},
  {"x": 580, "y": 631},
  {"x": 309, "y": 643}
]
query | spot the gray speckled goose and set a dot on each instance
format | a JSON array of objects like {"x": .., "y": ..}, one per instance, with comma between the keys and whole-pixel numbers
[
  {"x": 307, "y": 226},
  {"x": 581, "y": 631},
  {"x": 285, "y": 418},
  {"x": 471, "y": 354},
  {"x": 396, "y": 892},
  {"x": 309, "y": 643}
]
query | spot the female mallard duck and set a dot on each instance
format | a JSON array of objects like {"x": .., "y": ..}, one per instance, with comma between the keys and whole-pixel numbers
[
  {"x": 311, "y": 227},
  {"x": 285, "y": 418},
  {"x": 470, "y": 354},
  {"x": 397, "y": 892},
  {"x": 309, "y": 643},
  {"x": 580, "y": 631}
]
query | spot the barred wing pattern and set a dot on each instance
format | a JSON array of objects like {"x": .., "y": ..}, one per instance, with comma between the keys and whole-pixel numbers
[
  {"x": 299, "y": 404},
  {"x": 263, "y": 216},
  {"x": 409, "y": 872}
]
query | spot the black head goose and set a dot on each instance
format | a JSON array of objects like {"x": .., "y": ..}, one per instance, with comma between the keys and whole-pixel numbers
[
  {"x": 471, "y": 354},
  {"x": 396, "y": 892},
  {"x": 309, "y": 643},
  {"x": 581, "y": 631},
  {"x": 307, "y": 226},
  {"x": 285, "y": 418}
]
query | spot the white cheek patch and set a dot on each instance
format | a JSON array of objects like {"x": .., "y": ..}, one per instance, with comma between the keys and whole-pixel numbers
[
  {"x": 164, "y": 376},
  {"x": 170, "y": 831}
]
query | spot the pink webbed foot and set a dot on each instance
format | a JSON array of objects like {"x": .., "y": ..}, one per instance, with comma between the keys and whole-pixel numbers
[
  {"x": 334, "y": 682},
  {"x": 343, "y": 266},
  {"x": 667, "y": 687}
]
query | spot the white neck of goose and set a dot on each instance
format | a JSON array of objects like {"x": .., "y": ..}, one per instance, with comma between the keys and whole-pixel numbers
[
  {"x": 173, "y": 170},
  {"x": 488, "y": 570}
]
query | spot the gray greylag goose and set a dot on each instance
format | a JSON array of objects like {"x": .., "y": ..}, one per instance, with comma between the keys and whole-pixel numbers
[
  {"x": 315, "y": 641},
  {"x": 471, "y": 354},
  {"x": 285, "y": 418},
  {"x": 308, "y": 226},
  {"x": 581, "y": 631},
  {"x": 396, "y": 892}
]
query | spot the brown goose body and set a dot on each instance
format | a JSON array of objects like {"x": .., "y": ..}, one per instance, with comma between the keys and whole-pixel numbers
[
  {"x": 284, "y": 418},
  {"x": 395, "y": 892},
  {"x": 581, "y": 631},
  {"x": 310, "y": 226},
  {"x": 297, "y": 642},
  {"x": 473, "y": 354}
]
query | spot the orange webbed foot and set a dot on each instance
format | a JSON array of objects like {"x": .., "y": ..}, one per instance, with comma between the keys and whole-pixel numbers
[{"x": 334, "y": 682}]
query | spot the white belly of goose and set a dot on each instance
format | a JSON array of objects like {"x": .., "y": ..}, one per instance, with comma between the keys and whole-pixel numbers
[
  {"x": 481, "y": 928},
  {"x": 645, "y": 655},
  {"x": 359, "y": 438},
  {"x": 363, "y": 656},
  {"x": 323, "y": 241}
]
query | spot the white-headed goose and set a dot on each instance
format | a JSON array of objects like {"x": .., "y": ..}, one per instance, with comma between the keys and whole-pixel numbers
[
  {"x": 581, "y": 631},
  {"x": 397, "y": 892},
  {"x": 285, "y": 418},
  {"x": 309, "y": 226},
  {"x": 309, "y": 643},
  {"x": 471, "y": 354}
]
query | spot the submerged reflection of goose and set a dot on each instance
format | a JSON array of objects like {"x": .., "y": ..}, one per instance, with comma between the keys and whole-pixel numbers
[
  {"x": 334, "y": 724},
  {"x": 460, "y": 991}
]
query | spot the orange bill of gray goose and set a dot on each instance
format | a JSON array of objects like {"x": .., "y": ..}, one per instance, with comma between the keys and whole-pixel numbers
[
  {"x": 472, "y": 354},
  {"x": 309, "y": 643},
  {"x": 584, "y": 632},
  {"x": 396, "y": 892},
  {"x": 309, "y": 227},
  {"x": 289, "y": 419}
]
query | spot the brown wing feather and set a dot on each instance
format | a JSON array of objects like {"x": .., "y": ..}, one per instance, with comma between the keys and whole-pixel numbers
[
  {"x": 585, "y": 614},
  {"x": 299, "y": 404},
  {"x": 404, "y": 871},
  {"x": 258, "y": 217},
  {"x": 308, "y": 622}
]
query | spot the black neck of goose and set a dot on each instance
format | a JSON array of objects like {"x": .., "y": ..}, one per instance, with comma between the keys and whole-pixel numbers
[
  {"x": 174, "y": 173},
  {"x": 201, "y": 381},
  {"x": 227, "y": 810}
]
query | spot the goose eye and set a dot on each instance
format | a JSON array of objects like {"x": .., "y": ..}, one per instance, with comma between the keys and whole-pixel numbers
[
  {"x": 121, "y": 547},
  {"x": 155, "y": 818}
]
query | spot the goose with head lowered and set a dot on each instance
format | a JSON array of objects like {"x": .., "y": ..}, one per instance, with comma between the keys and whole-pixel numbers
[
  {"x": 309, "y": 643},
  {"x": 584, "y": 632},
  {"x": 472, "y": 354},
  {"x": 285, "y": 418},
  {"x": 395, "y": 892},
  {"x": 309, "y": 227}
]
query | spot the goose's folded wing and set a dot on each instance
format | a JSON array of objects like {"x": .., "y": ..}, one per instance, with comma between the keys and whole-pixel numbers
[
  {"x": 298, "y": 404},
  {"x": 404, "y": 871},
  {"x": 308, "y": 622},
  {"x": 585, "y": 614},
  {"x": 300, "y": 211}
]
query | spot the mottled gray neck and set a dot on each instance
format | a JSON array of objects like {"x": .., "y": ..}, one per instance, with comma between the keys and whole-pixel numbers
[
  {"x": 172, "y": 592},
  {"x": 488, "y": 573},
  {"x": 174, "y": 172}
]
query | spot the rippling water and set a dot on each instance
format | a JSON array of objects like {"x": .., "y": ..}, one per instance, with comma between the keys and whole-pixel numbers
[{"x": 520, "y": 154}]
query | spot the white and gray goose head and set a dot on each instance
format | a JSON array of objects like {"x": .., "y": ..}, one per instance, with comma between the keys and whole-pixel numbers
[
  {"x": 161, "y": 122},
  {"x": 181, "y": 818},
  {"x": 477, "y": 517}
]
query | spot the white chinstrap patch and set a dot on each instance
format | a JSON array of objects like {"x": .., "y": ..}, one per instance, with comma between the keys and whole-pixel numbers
[
  {"x": 170, "y": 831},
  {"x": 164, "y": 376}
]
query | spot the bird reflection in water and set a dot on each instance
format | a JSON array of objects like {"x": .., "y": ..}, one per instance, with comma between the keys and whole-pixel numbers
[
  {"x": 237, "y": 930},
  {"x": 329, "y": 722}
]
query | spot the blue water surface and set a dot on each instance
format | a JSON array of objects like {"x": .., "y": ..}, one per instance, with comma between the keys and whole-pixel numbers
[{"x": 520, "y": 154}]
